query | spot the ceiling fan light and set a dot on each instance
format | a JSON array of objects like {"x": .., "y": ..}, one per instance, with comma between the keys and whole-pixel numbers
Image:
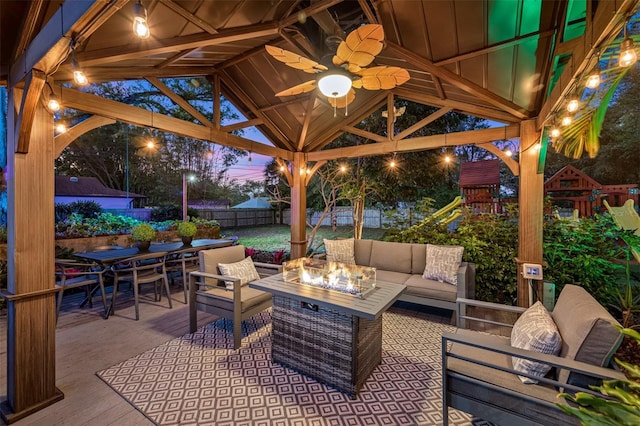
[
  {"x": 334, "y": 85},
  {"x": 628, "y": 54}
]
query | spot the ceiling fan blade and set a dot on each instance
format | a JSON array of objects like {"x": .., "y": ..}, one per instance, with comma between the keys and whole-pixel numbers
[
  {"x": 343, "y": 101},
  {"x": 361, "y": 46},
  {"x": 381, "y": 78},
  {"x": 299, "y": 89},
  {"x": 294, "y": 60}
]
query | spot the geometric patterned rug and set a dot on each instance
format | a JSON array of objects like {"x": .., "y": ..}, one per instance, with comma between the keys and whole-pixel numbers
[{"x": 198, "y": 379}]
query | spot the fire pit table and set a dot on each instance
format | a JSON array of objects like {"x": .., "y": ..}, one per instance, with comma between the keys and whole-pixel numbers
[{"x": 332, "y": 336}]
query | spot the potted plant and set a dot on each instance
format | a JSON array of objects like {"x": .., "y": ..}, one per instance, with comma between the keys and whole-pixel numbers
[
  {"x": 186, "y": 231},
  {"x": 143, "y": 234}
]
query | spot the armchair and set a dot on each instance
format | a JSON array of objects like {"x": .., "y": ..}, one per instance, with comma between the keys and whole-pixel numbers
[{"x": 214, "y": 293}]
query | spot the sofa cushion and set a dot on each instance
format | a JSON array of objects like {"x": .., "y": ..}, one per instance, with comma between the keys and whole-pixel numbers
[
  {"x": 442, "y": 263},
  {"x": 586, "y": 330},
  {"x": 391, "y": 276},
  {"x": 431, "y": 289},
  {"x": 340, "y": 251},
  {"x": 391, "y": 256},
  {"x": 363, "y": 251},
  {"x": 535, "y": 331},
  {"x": 418, "y": 258},
  {"x": 243, "y": 270}
]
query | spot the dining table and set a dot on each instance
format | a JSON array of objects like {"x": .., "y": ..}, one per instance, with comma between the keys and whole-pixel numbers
[{"x": 107, "y": 258}]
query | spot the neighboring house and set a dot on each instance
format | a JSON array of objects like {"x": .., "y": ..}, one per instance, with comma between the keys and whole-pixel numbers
[
  {"x": 254, "y": 203},
  {"x": 210, "y": 204},
  {"x": 71, "y": 188}
]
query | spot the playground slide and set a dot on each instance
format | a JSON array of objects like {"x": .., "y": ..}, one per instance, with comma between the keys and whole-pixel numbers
[
  {"x": 453, "y": 216},
  {"x": 448, "y": 208},
  {"x": 626, "y": 217}
]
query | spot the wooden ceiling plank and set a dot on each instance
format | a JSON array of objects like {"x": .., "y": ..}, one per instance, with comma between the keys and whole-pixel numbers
[
  {"x": 178, "y": 100},
  {"x": 198, "y": 22},
  {"x": 173, "y": 58},
  {"x": 51, "y": 45},
  {"x": 494, "y": 47},
  {"x": 31, "y": 95},
  {"x": 307, "y": 121},
  {"x": 248, "y": 102},
  {"x": 28, "y": 27},
  {"x": 419, "y": 144},
  {"x": 62, "y": 140},
  {"x": 93, "y": 104},
  {"x": 241, "y": 125},
  {"x": 364, "y": 134},
  {"x": 135, "y": 51},
  {"x": 422, "y": 123},
  {"x": 458, "y": 81},
  {"x": 609, "y": 16},
  {"x": 478, "y": 111}
]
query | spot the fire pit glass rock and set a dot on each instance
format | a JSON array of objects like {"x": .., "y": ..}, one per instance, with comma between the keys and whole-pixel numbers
[{"x": 352, "y": 279}]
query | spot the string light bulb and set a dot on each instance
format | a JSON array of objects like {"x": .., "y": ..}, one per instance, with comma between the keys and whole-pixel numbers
[
  {"x": 628, "y": 55},
  {"x": 447, "y": 158},
  {"x": 140, "y": 24},
  {"x": 392, "y": 164},
  {"x": 61, "y": 128},
  {"x": 53, "y": 103},
  {"x": 566, "y": 120},
  {"x": 594, "y": 79},
  {"x": 78, "y": 75},
  {"x": 573, "y": 105},
  {"x": 555, "y": 132},
  {"x": 282, "y": 169},
  {"x": 151, "y": 144},
  {"x": 508, "y": 152},
  {"x": 343, "y": 168}
]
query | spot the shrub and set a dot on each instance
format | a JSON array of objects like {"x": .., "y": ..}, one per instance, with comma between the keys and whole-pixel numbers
[
  {"x": 143, "y": 232},
  {"x": 171, "y": 212},
  {"x": 87, "y": 209},
  {"x": 186, "y": 229}
]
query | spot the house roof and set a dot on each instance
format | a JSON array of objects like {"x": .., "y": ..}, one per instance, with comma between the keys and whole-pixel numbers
[
  {"x": 253, "y": 203},
  {"x": 479, "y": 173},
  {"x": 71, "y": 186}
]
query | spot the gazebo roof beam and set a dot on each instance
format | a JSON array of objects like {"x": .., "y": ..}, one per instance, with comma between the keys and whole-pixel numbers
[{"x": 178, "y": 100}]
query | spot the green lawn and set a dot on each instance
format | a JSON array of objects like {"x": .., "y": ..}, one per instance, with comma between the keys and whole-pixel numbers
[{"x": 277, "y": 237}]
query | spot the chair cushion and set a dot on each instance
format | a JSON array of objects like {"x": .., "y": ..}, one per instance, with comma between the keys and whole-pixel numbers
[
  {"x": 340, "y": 251},
  {"x": 223, "y": 299},
  {"x": 586, "y": 329},
  {"x": 391, "y": 256},
  {"x": 535, "y": 331},
  {"x": 244, "y": 270},
  {"x": 418, "y": 286},
  {"x": 442, "y": 263}
]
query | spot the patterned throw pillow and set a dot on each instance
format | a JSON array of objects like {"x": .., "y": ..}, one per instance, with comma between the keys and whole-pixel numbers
[
  {"x": 244, "y": 270},
  {"x": 443, "y": 263},
  {"x": 340, "y": 251},
  {"x": 535, "y": 331}
]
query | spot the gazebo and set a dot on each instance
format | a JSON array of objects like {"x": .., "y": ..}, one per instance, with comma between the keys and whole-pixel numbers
[{"x": 513, "y": 63}]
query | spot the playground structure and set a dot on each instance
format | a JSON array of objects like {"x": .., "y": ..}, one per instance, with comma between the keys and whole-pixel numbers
[
  {"x": 574, "y": 189},
  {"x": 450, "y": 212},
  {"x": 626, "y": 217},
  {"x": 480, "y": 186}
]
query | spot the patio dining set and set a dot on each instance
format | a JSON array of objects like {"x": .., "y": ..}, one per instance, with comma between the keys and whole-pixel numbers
[{"x": 103, "y": 265}]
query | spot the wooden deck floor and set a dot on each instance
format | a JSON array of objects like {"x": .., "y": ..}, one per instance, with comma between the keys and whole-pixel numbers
[{"x": 86, "y": 343}]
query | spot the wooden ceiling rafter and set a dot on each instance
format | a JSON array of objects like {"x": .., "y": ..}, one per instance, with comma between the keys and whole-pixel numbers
[
  {"x": 174, "y": 58},
  {"x": 93, "y": 104},
  {"x": 241, "y": 125},
  {"x": 471, "y": 137},
  {"x": 62, "y": 140},
  {"x": 365, "y": 134},
  {"x": 190, "y": 17},
  {"x": 479, "y": 111},
  {"x": 180, "y": 101},
  {"x": 306, "y": 122},
  {"x": 422, "y": 123},
  {"x": 28, "y": 27},
  {"x": 368, "y": 13},
  {"x": 465, "y": 85},
  {"x": 245, "y": 100}
]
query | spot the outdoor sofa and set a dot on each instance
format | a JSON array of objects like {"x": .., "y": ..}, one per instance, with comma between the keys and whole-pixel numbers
[
  {"x": 478, "y": 373},
  {"x": 405, "y": 263}
]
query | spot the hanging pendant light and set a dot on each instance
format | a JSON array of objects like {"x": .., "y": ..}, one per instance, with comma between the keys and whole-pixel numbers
[
  {"x": 628, "y": 55},
  {"x": 140, "y": 24}
]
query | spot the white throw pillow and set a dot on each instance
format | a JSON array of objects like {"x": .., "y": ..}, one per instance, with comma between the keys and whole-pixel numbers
[
  {"x": 244, "y": 270},
  {"x": 535, "y": 331},
  {"x": 340, "y": 251},
  {"x": 443, "y": 263}
]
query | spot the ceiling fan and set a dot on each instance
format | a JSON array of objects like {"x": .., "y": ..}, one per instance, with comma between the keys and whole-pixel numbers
[{"x": 338, "y": 76}]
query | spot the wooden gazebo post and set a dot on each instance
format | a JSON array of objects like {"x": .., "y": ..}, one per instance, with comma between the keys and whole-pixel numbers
[
  {"x": 530, "y": 201},
  {"x": 298, "y": 207}
]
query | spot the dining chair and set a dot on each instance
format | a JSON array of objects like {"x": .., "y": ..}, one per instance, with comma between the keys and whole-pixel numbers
[
  {"x": 183, "y": 261},
  {"x": 147, "y": 268},
  {"x": 73, "y": 274}
]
